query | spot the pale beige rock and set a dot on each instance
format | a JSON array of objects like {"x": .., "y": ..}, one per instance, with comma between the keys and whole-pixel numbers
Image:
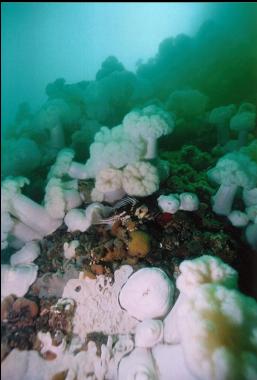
[{"x": 97, "y": 305}]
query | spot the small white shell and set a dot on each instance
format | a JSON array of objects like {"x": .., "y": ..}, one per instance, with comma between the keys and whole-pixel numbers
[
  {"x": 17, "y": 279},
  {"x": 147, "y": 294},
  {"x": 26, "y": 254},
  {"x": 148, "y": 333},
  {"x": 138, "y": 365}
]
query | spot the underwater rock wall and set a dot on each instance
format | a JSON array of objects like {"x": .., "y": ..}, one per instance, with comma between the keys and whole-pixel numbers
[{"x": 129, "y": 217}]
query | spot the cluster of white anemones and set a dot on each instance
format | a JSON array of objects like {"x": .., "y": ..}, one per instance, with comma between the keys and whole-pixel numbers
[
  {"x": 209, "y": 333},
  {"x": 234, "y": 171}
]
